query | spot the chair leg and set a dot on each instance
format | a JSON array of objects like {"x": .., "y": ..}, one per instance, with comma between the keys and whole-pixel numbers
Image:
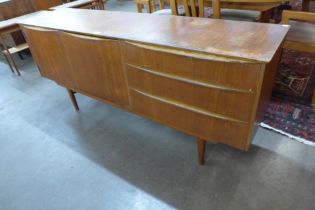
[
  {"x": 14, "y": 64},
  {"x": 148, "y": 6},
  {"x": 153, "y": 5},
  {"x": 313, "y": 99},
  {"x": 201, "y": 146},
  {"x": 161, "y": 4},
  {"x": 139, "y": 8},
  {"x": 9, "y": 63},
  {"x": 102, "y": 7},
  {"x": 20, "y": 55},
  {"x": 73, "y": 99},
  {"x": 8, "y": 55}
]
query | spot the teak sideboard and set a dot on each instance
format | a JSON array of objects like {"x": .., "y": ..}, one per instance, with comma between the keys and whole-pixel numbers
[{"x": 208, "y": 78}]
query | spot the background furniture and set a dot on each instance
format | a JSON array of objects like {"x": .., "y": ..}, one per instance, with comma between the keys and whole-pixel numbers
[
  {"x": 260, "y": 10},
  {"x": 7, "y": 27},
  {"x": 150, "y": 5},
  {"x": 306, "y": 5},
  {"x": 301, "y": 36},
  {"x": 15, "y": 10},
  {"x": 214, "y": 87}
]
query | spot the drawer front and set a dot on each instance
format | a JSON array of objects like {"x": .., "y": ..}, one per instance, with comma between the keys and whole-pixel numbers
[
  {"x": 225, "y": 102},
  {"x": 163, "y": 62},
  {"x": 244, "y": 76},
  {"x": 190, "y": 121},
  {"x": 232, "y": 74}
]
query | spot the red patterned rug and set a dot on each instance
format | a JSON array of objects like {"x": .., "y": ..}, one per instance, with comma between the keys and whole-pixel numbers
[{"x": 289, "y": 111}]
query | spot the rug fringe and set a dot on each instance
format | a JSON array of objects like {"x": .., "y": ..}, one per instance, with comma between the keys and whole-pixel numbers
[{"x": 299, "y": 139}]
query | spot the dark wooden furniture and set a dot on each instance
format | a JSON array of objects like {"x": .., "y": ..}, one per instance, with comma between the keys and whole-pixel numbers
[
  {"x": 306, "y": 5},
  {"x": 204, "y": 77}
]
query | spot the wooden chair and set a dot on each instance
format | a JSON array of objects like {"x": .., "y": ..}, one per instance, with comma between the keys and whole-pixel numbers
[
  {"x": 8, "y": 53},
  {"x": 301, "y": 36},
  {"x": 150, "y": 5},
  {"x": 234, "y": 14},
  {"x": 8, "y": 11},
  {"x": 186, "y": 9},
  {"x": 192, "y": 8}
]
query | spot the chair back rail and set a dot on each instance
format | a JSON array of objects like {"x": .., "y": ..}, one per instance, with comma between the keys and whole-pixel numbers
[{"x": 192, "y": 8}]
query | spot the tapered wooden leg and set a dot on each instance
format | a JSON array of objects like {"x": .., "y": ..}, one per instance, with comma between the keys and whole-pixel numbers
[
  {"x": 14, "y": 64},
  {"x": 9, "y": 63},
  {"x": 73, "y": 99},
  {"x": 201, "y": 145},
  {"x": 313, "y": 99},
  {"x": 148, "y": 6},
  {"x": 139, "y": 8},
  {"x": 161, "y": 3}
]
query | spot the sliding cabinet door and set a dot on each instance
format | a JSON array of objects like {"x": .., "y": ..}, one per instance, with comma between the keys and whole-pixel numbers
[{"x": 97, "y": 67}]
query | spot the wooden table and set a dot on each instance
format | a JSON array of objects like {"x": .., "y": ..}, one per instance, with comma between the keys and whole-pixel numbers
[
  {"x": 208, "y": 78},
  {"x": 264, "y": 6}
]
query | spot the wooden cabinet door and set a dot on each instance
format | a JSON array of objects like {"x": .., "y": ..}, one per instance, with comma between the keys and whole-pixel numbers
[
  {"x": 48, "y": 52},
  {"x": 97, "y": 67}
]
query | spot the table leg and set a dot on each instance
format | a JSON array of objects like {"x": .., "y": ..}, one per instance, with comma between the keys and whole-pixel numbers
[
  {"x": 148, "y": 6},
  {"x": 73, "y": 99},
  {"x": 139, "y": 8},
  {"x": 201, "y": 146},
  {"x": 9, "y": 57},
  {"x": 216, "y": 7},
  {"x": 101, "y": 5},
  {"x": 161, "y": 4},
  {"x": 8, "y": 61}
]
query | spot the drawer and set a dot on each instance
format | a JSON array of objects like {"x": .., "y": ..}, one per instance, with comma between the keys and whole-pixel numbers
[
  {"x": 245, "y": 76},
  {"x": 160, "y": 61},
  {"x": 222, "y": 101},
  {"x": 215, "y": 71},
  {"x": 190, "y": 121}
]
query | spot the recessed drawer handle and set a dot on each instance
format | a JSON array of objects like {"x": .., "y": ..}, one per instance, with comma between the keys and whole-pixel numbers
[{"x": 193, "y": 82}]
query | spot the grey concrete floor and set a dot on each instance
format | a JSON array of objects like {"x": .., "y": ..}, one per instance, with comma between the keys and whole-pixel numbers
[{"x": 52, "y": 157}]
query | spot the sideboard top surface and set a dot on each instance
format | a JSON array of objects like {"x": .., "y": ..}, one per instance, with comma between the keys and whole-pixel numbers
[{"x": 236, "y": 39}]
